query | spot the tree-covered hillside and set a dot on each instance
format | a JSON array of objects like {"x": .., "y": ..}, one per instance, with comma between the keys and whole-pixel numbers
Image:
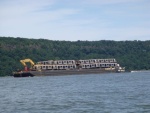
[{"x": 134, "y": 55}]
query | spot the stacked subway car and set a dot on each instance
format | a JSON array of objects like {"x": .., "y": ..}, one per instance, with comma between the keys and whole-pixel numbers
[{"x": 70, "y": 67}]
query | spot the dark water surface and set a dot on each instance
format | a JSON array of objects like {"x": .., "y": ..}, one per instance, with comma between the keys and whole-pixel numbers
[{"x": 99, "y": 93}]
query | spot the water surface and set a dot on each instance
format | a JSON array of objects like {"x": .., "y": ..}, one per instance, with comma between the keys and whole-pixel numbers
[{"x": 95, "y": 93}]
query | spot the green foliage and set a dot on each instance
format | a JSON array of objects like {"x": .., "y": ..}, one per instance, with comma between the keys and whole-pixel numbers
[{"x": 134, "y": 55}]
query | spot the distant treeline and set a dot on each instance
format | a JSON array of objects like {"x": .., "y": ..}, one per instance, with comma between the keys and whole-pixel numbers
[{"x": 134, "y": 55}]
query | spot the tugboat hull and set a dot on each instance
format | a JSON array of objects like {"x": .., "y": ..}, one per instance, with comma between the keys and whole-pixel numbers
[{"x": 23, "y": 74}]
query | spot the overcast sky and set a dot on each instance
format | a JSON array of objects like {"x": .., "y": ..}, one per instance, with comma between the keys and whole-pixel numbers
[{"x": 76, "y": 19}]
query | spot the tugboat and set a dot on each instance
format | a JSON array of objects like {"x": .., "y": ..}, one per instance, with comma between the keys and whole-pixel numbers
[
  {"x": 26, "y": 71},
  {"x": 22, "y": 74}
]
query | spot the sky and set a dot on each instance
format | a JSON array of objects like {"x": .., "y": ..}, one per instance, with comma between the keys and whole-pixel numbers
[{"x": 73, "y": 20}]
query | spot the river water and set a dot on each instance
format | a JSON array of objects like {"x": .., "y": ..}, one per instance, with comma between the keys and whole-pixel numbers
[{"x": 95, "y": 93}]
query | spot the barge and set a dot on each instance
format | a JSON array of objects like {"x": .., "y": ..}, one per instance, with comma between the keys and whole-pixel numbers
[{"x": 68, "y": 67}]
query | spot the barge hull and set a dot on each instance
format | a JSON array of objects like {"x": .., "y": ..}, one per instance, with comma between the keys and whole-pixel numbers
[{"x": 70, "y": 72}]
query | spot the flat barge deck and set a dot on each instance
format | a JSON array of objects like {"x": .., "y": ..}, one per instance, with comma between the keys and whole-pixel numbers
[{"x": 69, "y": 67}]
